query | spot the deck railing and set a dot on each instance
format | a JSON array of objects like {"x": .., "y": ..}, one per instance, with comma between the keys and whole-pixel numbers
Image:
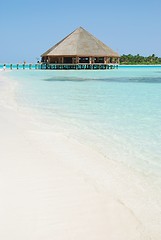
[
  {"x": 79, "y": 66},
  {"x": 46, "y": 66}
]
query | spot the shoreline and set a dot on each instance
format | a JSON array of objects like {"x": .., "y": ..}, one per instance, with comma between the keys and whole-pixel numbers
[{"x": 55, "y": 187}]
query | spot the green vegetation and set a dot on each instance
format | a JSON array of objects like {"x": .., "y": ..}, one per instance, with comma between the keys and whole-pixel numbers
[{"x": 137, "y": 59}]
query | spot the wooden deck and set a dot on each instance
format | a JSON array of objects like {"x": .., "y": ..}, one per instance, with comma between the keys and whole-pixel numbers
[
  {"x": 78, "y": 66},
  {"x": 45, "y": 66}
]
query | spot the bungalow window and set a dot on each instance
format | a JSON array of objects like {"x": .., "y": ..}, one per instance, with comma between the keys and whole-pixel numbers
[
  {"x": 84, "y": 59},
  {"x": 67, "y": 60},
  {"x": 99, "y": 60}
]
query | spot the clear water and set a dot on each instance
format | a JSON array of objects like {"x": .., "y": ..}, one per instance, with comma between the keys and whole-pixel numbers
[{"x": 118, "y": 111}]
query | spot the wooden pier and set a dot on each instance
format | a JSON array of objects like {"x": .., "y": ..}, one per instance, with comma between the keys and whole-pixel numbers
[
  {"x": 47, "y": 66},
  {"x": 79, "y": 66}
]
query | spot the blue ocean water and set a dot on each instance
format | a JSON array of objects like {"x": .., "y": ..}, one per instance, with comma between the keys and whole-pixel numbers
[{"x": 115, "y": 111}]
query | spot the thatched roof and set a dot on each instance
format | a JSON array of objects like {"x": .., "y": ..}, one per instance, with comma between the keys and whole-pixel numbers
[{"x": 80, "y": 43}]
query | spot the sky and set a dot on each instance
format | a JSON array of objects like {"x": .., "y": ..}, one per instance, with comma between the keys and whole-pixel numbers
[{"x": 29, "y": 28}]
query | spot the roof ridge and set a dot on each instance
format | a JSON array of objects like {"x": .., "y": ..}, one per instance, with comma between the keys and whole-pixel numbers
[
  {"x": 78, "y": 38},
  {"x": 81, "y": 42}
]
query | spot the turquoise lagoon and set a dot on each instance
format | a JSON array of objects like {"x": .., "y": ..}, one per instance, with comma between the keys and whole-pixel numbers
[{"x": 116, "y": 111}]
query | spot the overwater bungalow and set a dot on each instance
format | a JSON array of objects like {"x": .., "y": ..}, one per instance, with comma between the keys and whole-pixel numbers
[{"x": 80, "y": 48}]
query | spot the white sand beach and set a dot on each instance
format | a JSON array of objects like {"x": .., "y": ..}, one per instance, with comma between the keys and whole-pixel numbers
[{"x": 52, "y": 187}]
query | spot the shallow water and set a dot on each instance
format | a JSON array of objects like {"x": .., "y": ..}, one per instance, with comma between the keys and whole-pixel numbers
[{"x": 116, "y": 112}]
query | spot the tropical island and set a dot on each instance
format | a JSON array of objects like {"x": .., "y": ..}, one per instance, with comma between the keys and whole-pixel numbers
[{"x": 139, "y": 60}]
